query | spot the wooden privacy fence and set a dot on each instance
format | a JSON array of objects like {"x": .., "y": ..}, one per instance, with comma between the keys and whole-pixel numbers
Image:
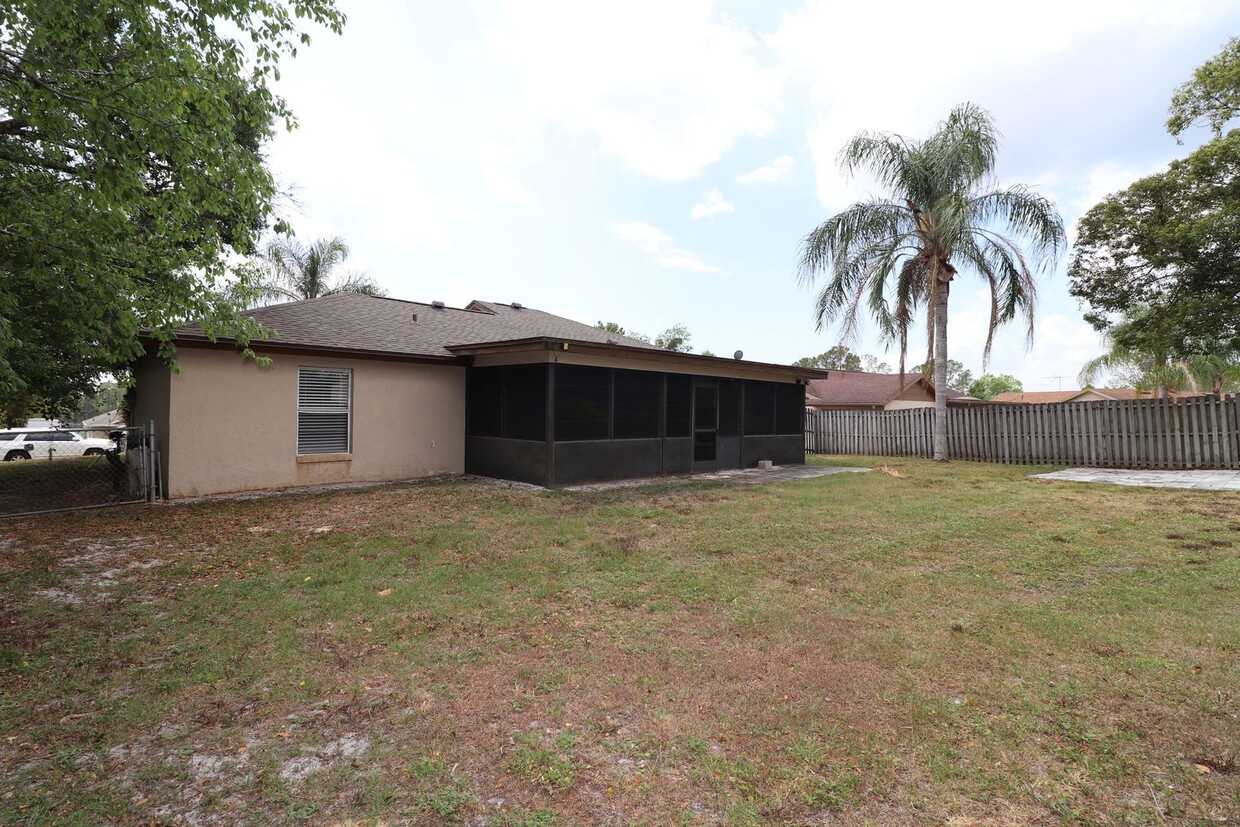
[{"x": 1197, "y": 432}]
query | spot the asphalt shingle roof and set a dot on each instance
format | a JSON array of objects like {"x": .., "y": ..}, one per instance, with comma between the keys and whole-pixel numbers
[
  {"x": 854, "y": 387},
  {"x": 382, "y": 325},
  {"x": 1051, "y": 397}
]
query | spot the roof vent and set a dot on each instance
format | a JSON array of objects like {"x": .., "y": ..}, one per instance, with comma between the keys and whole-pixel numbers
[
  {"x": 437, "y": 305},
  {"x": 611, "y": 340},
  {"x": 415, "y": 317},
  {"x": 740, "y": 354},
  {"x": 517, "y": 306}
]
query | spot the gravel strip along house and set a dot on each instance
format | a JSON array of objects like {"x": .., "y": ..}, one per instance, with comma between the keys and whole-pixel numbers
[{"x": 360, "y": 388}]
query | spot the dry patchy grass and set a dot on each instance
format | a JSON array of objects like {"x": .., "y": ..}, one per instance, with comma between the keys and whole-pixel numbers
[{"x": 953, "y": 644}]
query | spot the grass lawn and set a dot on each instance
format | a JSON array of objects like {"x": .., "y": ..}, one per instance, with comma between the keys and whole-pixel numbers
[{"x": 958, "y": 645}]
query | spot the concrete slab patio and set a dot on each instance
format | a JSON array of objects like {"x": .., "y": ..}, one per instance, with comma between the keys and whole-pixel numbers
[{"x": 1197, "y": 480}]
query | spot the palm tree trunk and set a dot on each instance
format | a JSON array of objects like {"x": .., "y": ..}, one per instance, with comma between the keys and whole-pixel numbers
[{"x": 940, "y": 373}]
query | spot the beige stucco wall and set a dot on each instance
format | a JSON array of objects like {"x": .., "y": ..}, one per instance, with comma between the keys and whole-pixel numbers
[
  {"x": 902, "y": 404},
  {"x": 232, "y": 424},
  {"x": 150, "y": 403}
]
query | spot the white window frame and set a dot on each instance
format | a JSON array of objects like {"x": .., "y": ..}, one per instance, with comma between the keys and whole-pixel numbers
[{"x": 302, "y": 370}]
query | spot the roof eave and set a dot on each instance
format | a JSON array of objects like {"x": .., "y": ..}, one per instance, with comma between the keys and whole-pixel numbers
[
  {"x": 628, "y": 352},
  {"x": 270, "y": 345}
]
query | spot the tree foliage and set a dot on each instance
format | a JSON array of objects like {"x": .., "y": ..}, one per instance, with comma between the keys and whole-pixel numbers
[
  {"x": 1170, "y": 244},
  {"x": 292, "y": 270},
  {"x": 837, "y": 358},
  {"x": 1211, "y": 96},
  {"x": 675, "y": 338},
  {"x": 1142, "y": 353},
  {"x": 612, "y": 327},
  {"x": 1166, "y": 250},
  {"x": 990, "y": 385},
  {"x": 130, "y": 169},
  {"x": 896, "y": 257},
  {"x": 959, "y": 378},
  {"x": 841, "y": 357}
]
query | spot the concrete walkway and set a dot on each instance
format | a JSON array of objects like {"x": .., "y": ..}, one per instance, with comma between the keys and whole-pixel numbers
[
  {"x": 1197, "y": 480},
  {"x": 745, "y": 476}
]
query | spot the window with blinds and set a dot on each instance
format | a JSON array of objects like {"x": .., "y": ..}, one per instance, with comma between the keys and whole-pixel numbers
[{"x": 323, "y": 398}]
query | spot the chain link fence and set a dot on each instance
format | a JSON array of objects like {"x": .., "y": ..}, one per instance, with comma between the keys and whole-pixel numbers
[{"x": 74, "y": 468}]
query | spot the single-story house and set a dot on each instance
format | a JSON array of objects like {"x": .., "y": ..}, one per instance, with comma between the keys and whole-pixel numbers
[
  {"x": 1085, "y": 395},
  {"x": 103, "y": 424},
  {"x": 360, "y": 388},
  {"x": 857, "y": 390}
]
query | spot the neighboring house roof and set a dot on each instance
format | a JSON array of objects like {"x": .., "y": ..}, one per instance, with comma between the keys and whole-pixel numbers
[
  {"x": 1039, "y": 397},
  {"x": 39, "y": 424},
  {"x": 367, "y": 324},
  {"x": 103, "y": 420},
  {"x": 856, "y": 388},
  {"x": 1085, "y": 395}
]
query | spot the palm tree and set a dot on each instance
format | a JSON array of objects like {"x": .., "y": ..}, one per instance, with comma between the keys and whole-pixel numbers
[
  {"x": 294, "y": 271},
  {"x": 897, "y": 256},
  {"x": 1152, "y": 370},
  {"x": 1148, "y": 371},
  {"x": 1218, "y": 371}
]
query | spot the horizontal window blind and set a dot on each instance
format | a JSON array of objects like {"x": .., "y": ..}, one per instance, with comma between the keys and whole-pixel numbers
[{"x": 323, "y": 397}]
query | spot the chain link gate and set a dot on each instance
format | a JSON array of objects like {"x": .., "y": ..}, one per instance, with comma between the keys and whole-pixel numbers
[{"x": 66, "y": 469}]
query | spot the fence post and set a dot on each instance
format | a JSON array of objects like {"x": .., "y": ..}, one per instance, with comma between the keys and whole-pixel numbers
[{"x": 150, "y": 461}]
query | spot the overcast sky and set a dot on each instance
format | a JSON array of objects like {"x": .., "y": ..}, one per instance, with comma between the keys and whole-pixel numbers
[{"x": 654, "y": 163}]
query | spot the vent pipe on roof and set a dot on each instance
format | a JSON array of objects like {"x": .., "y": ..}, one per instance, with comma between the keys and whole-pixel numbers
[
  {"x": 437, "y": 305},
  {"x": 518, "y": 306},
  {"x": 738, "y": 355}
]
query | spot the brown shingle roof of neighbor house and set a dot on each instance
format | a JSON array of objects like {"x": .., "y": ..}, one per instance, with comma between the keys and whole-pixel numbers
[
  {"x": 367, "y": 324},
  {"x": 861, "y": 389},
  {"x": 1041, "y": 397},
  {"x": 1052, "y": 397}
]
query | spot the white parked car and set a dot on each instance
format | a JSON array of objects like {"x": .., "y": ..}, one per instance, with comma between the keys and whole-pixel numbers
[{"x": 15, "y": 445}]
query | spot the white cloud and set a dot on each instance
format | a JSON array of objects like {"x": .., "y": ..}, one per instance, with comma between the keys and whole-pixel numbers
[
  {"x": 778, "y": 170},
  {"x": 495, "y": 160},
  {"x": 659, "y": 246},
  {"x": 712, "y": 204},
  {"x": 405, "y": 211},
  {"x": 1061, "y": 344},
  {"x": 851, "y": 87},
  {"x": 667, "y": 88}
]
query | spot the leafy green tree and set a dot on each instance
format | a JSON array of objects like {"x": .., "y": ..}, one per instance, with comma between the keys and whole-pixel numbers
[
  {"x": 130, "y": 171},
  {"x": 990, "y": 385},
  {"x": 1167, "y": 249},
  {"x": 675, "y": 338},
  {"x": 108, "y": 397},
  {"x": 1212, "y": 94},
  {"x": 841, "y": 358},
  {"x": 872, "y": 364},
  {"x": 896, "y": 257},
  {"x": 1170, "y": 243},
  {"x": 293, "y": 271},
  {"x": 612, "y": 327},
  {"x": 837, "y": 358},
  {"x": 1215, "y": 373},
  {"x": 1140, "y": 354},
  {"x": 959, "y": 378}
]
